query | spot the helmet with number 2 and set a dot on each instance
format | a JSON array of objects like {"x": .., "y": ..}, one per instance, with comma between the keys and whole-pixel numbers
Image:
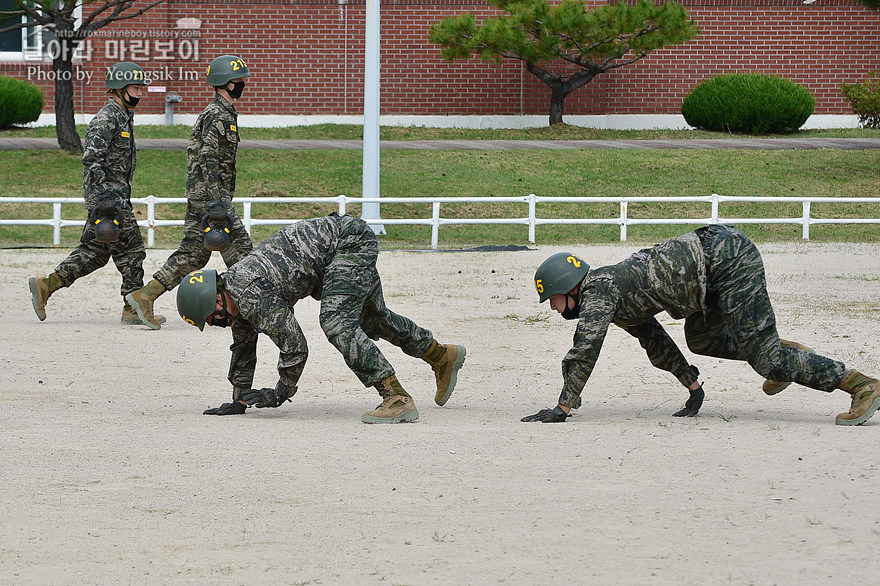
[
  {"x": 559, "y": 274},
  {"x": 123, "y": 74},
  {"x": 225, "y": 68},
  {"x": 197, "y": 297}
]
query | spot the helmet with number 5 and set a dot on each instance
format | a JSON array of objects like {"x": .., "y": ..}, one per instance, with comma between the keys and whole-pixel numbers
[
  {"x": 559, "y": 274},
  {"x": 225, "y": 68},
  {"x": 197, "y": 297}
]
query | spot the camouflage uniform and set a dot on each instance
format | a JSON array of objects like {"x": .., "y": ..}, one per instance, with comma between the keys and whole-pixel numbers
[
  {"x": 210, "y": 161},
  {"x": 714, "y": 279},
  {"x": 332, "y": 259},
  {"x": 109, "y": 160}
]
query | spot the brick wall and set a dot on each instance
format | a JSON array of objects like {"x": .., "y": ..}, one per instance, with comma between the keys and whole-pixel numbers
[{"x": 308, "y": 58}]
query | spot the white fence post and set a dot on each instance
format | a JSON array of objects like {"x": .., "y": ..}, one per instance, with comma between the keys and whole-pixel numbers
[
  {"x": 806, "y": 220},
  {"x": 151, "y": 220},
  {"x": 623, "y": 210},
  {"x": 532, "y": 217},
  {"x": 56, "y": 223},
  {"x": 246, "y": 217},
  {"x": 342, "y": 200},
  {"x": 435, "y": 224},
  {"x": 715, "y": 199}
]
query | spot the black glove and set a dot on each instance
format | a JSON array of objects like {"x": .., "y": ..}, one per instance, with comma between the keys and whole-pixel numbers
[
  {"x": 234, "y": 408},
  {"x": 555, "y": 415},
  {"x": 216, "y": 210},
  {"x": 264, "y": 397},
  {"x": 692, "y": 406}
]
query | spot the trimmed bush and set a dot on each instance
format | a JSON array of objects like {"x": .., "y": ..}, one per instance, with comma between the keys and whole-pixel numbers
[
  {"x": 20, "y": 101},
  {"x": 751, "y": 103},
  {"x": 865, "y": 100}
]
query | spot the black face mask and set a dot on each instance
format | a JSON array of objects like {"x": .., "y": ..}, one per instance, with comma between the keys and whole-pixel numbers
[
  {"x": 237, "y": 89},
  {"x": 130, "y": 101},
  {"x": 571, "y": 312},
  {"x": 221, "y": 321}
]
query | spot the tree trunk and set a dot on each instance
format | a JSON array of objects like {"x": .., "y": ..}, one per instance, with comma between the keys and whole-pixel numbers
[
  {"x": 65, "y": 124},
  {"x": 557, "y": 103}
]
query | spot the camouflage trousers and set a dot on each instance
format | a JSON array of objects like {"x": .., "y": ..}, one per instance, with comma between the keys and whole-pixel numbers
[
  {"x": 192, "y": 255},
  {"x": 353, "y": 311},
  {"x": 739, "y": 323},
  {"x": 128, "y": 255}
]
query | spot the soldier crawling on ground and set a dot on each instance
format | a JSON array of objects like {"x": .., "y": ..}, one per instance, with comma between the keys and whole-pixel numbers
[
  {"x": 332, "y": 259},
  {"x": 111, "y": 231},
  {"x": 714, "y": 279},
  {"x": 212, "y": 222}
]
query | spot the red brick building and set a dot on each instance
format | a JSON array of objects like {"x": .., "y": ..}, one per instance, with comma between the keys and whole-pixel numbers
[{"x": 307, "y": 57}]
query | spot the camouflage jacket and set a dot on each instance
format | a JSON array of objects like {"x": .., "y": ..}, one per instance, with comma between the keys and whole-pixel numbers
[
  {"x": 109, "y": 156},
  {"x": 211, "y": 152},
  {"x": 669, "y": 277},
  {"x": 286, "y": 267}
]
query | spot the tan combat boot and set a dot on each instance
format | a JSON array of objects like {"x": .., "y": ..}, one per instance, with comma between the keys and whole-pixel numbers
[
  {"x": 397, "y": 406},
  {"x": 142, "y": 302},
  {"x": 865, "y": 393},
  {"x": 445, "y": 361},
  {"x": 771, "y": 387},
  {"x": 130, "y": 316},
  {"x": 41, "y": 289}
]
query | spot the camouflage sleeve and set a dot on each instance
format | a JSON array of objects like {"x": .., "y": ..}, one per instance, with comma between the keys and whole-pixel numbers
[
  {"x": 209, "y": 157},
  {"x": 272, "y": 315},
  {"x": 662, "y": 350},
  {"x": 596, "y": 313},
  {"x": 243, "y": 363},
  {"x": 97, "y": 144}
]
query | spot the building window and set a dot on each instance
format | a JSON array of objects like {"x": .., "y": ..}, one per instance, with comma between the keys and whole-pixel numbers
[{"x": 34, "y": 43}]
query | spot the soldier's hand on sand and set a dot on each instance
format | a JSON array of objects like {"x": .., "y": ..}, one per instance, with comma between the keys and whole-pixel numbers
[
  {"x": 264, "y": 397},
  {"x": 554, "y": 415},
  {"x": 692, "y": 405},
  {"x": 234, "y": 408}
]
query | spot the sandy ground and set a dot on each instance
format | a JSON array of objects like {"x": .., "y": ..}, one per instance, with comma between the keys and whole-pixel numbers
[{"x": 112, "y": 475}]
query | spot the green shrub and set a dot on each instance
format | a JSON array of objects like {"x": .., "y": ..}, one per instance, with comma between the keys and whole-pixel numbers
[
  {"x": 748, "y": 102},
  {"x": 865, "y": 100},
  {"x": 20, "y": 101}
]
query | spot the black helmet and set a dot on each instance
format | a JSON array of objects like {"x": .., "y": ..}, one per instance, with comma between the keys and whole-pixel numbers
[
  {"x": 216, "y": 238},
  {"x": 559, "y": 274},
  {"x": 107, "y": 221}
]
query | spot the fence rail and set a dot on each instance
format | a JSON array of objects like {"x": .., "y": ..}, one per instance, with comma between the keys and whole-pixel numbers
[{"x": 530, "y": 202}]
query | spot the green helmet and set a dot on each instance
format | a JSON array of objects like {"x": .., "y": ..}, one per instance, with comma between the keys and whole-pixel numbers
[
  {"x": 123, "y": 74},
  {"x": 559, "y": 274},
  {"x": 225, "y": 68},
  {"x": 197, "y": 297}
]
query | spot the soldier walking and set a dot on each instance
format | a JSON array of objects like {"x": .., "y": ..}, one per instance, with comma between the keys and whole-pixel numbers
[
  {"x": 714, "y": 279},
  {"x": 111, "y": 231},
  {"x": 212, "y": 222},
  {"x": 332, "y": 259}
]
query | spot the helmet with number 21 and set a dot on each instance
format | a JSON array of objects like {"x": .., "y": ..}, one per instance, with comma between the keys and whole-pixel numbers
[
  {"x": 197, "y": 297},
  {"x": 225, "y": 68}
]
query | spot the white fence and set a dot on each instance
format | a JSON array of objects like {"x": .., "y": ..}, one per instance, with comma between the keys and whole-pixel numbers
[{"x": 530, "y": 204}]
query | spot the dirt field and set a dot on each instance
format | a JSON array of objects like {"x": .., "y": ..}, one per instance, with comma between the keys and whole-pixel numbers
[{"x": 112, "y": 475}]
